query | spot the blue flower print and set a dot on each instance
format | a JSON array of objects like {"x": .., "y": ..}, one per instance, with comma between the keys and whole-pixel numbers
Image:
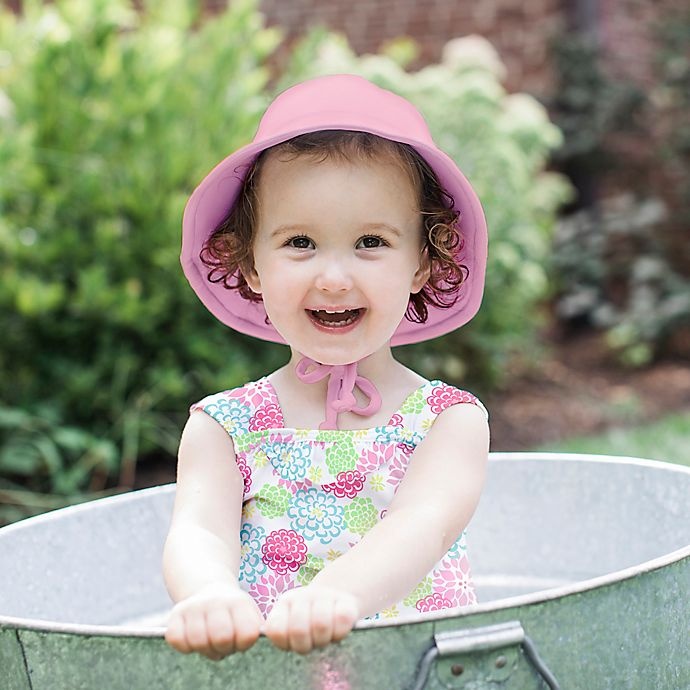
[
  {"x": 290, "y": 461},
  {"x": 316, "y": 515},
  {"x": 387, "y": 434},
  {"x": 251, "y": 565},
  {"x": 231, "y": 413},
  {"x": 458, "y": 547},
  {"x": 397, "y": 434}
]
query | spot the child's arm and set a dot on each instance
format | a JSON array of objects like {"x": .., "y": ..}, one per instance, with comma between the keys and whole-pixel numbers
[
  {"x": 201, "y": 558},
  {"x": 433, "y": 504}
]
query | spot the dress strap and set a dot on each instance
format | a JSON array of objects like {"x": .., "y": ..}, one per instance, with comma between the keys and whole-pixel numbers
[{"x": 341, "y": 384}]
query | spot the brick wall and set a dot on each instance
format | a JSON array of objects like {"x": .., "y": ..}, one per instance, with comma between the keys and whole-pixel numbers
[
  {"x": 521, "y": 30},
  {"x": 627, "y": 32},
  {"x": 630, "y": 41}
]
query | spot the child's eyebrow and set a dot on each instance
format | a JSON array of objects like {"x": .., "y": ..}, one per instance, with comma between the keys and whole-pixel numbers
[
  {"x": 383, "y": 226},
  {"x": 366, "y": 227},
  {"x": 285, "y": 229}
]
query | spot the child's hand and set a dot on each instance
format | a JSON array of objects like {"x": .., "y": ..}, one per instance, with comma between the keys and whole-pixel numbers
[
  {"x": 309, "y": 617},
  {"x": 216, "y": 621}
]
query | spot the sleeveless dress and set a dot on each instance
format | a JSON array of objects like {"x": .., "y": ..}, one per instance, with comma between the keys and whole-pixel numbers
[{"x": 310, "y": 495}]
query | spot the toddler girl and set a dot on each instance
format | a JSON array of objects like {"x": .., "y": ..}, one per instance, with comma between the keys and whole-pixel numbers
[{"x": 339, "y": 486}]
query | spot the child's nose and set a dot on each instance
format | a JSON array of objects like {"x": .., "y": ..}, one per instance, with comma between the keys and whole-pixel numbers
[{"x": 334, "y": 276}]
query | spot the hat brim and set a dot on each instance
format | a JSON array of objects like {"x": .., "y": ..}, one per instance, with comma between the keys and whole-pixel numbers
[{"x": 212, "y": 200}]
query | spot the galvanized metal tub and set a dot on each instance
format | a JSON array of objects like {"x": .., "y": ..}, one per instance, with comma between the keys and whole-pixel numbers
[{"x": 582, "y": 563}]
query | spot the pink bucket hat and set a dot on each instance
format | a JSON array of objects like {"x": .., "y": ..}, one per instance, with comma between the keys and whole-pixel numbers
[{"x": 334, "y": 102}]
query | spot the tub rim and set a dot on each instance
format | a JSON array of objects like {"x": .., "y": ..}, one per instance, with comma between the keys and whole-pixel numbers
[{"x": 522, "y": 600}]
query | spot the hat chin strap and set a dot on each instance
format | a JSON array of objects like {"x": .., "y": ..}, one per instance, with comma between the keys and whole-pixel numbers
[{"x": 342, "y": 379}]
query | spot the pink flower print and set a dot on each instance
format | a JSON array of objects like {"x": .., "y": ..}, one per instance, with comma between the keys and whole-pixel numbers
[
  {"x": 245, "y": 471},
  {"x": 396, "y": 420},
  {"x": 452, "y": 581},
  {"x": 444, "y": 396},
  {"x": 348, "y": 484},
  {"x": 257, "y": 394},
  {"x": 270, "y": 586},
  {"x": 433, "y": 602},
  {"x": 237, "y": 393},
  {"x": 284, "y": 550},
  {"x": 370, "y": 460},
  {"x": 398, "y": 467},
  {"x": 266, "y": 417}
]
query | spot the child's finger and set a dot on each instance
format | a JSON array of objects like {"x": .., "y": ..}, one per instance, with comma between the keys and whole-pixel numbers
[
  {"x": 322, "y": 610},
  {"x": 299, "y": 626},
  {"x": 175, "y": 634},
  {"x": 276, "y": 627},
  {"x": 195, "y": 632},
  {"x": 221, "y": 631},
  {"x": 247, "y": 621},
  {"x": 345, "y": 615}
]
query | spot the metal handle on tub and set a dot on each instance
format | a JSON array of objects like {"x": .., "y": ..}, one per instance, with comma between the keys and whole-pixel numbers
[{"x": 483, "y": 639}]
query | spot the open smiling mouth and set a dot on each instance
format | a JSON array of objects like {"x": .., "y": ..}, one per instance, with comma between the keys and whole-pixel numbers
[{"x": 335, "y": 319}]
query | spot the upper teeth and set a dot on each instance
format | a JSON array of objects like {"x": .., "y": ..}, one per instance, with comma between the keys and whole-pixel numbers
[{"x": 340, "y": 311}]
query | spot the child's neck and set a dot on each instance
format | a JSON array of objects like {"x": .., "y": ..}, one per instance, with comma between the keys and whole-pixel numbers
[
  {"x": 304, "y": 404},
  {"x": 377, "y": 367}
]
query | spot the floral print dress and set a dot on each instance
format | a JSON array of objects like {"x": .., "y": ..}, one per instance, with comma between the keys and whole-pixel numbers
[{"x": 310, "y": 495}]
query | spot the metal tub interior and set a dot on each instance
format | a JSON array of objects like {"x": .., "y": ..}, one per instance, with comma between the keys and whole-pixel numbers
[{"x": 589, "y": 554}]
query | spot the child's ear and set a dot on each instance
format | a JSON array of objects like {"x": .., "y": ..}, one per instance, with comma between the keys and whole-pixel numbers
[
  {"x": 252, "y": 278},
  {"x": 422, "y": 274}
]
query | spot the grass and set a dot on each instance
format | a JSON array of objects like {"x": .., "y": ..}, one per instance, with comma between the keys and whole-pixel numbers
[{"x": 667, "y": 440}]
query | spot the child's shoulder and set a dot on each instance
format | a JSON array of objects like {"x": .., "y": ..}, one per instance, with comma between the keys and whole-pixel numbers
[
  {"x": 432, "y": 398},
  {"x": 251, "y": 407},
  {"x": 443, "y": 395}
]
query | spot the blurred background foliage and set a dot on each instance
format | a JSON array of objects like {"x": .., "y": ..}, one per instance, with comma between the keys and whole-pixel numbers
[
  {"x": 621, "y": 261},
  {"x": 108, "y": 119}
]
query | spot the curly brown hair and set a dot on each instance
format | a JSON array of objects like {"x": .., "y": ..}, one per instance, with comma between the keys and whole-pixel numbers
[{"x": 229, "y": 250}]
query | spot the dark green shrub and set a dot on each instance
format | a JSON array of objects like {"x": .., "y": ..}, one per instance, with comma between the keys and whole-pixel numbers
[
  {"x": 613, "y": 275},
  {"x": 622, "y": 263},
  {"x": 109, "y": 118},
  {"x": 590, "y": 108}
]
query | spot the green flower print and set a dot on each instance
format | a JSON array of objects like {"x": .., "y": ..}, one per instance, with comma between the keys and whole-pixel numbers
[
  {"x": 414, "y": 403},
  {"x": 309, "y": 570},
  {"x": 423, "y": 589},
  {"x": 360, "y": 515},
  {"x": 273, "y": 501},
  {"x": 260, "y": 458},
  {"x": 330, "y": 435},
  {"x": 341, "y": 457},
  {"x": 244, "y": 442}
]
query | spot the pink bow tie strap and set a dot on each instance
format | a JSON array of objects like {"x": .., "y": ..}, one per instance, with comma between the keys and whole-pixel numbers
[{"x": 341, "y": 384}]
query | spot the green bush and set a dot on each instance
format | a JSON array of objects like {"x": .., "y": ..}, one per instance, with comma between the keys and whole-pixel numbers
[
  {"x": 611, "y": 272},
  {"x": 108, "y": 118}
]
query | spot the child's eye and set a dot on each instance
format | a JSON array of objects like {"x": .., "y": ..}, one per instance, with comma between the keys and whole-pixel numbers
[
  {"x": 371, "y": 242},
  {"x": 300, "y": 242}
]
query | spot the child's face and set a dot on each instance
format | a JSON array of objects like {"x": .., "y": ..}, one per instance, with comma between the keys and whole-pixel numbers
[{"x": 338, "y": 237}]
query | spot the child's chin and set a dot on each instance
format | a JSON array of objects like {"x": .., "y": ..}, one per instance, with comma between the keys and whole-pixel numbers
[{"x": 338, "y": 358}]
